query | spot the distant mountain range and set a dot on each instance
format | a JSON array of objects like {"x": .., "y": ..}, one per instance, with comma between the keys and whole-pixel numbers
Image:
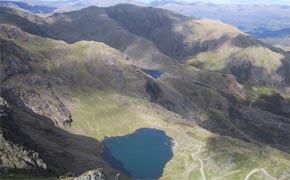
[
  {"x": 281, "y": 2},
  {"x": 259, "y": 20},
  {"x": 36, "y": 9},
  {"x": 48, "y": 7},
  {"x": 245, "y": 16}
]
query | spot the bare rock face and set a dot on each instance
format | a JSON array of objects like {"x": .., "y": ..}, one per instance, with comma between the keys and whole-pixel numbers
[
  {"x": 48, "y": 104},
  {"x": 13, "y": 60},
  {"x": 12, "y": 154},
  {"x": 38, "y": 95}
]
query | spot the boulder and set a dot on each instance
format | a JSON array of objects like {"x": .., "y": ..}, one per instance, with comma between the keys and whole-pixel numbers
[{"x": 93, "y": 175}]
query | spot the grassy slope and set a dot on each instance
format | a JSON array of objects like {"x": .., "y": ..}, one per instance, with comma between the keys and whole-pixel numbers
[
  {"x": 232, "y": 43},
  {"x": 24, "y": 177},
  {"x": 100, "y": 113},
  {"x": 213, "y": 44}
]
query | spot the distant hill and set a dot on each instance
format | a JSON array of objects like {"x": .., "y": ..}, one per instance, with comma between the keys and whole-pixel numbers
[
  {"x": 247, "y": 17},
  {"x": 266, "y": 33},
  {"x": 46, "y": 7},
  {"x": 250, "y": 18},
  {"x": 36, "y": 9},
  {"x": 164, "y": 35}
]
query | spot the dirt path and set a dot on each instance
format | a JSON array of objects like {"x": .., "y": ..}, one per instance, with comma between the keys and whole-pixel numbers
[
  {"x": 192, "y": 166},
  {"x": 257, "y": 170},
  {"x": 201, "y": 169},
  {"x": 194, "y": 155},
  {"x": 226, "y": 175}
]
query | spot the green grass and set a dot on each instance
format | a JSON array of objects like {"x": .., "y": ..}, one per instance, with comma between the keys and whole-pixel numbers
[
  {"x": 254, "y": 93},
  {"x": 99, "y": 114},
  {"x": 261, "y": 57},
  {"x": 12, "y": 176},
  {"x": 211, "y": 61}
]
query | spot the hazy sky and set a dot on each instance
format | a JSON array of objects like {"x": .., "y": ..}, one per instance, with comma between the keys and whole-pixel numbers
[
  {"x": 243, "y": 1},
  {"x": 215, "y": 1}
]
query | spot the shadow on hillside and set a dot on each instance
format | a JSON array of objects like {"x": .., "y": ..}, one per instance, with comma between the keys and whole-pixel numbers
[
  {"x": 24, "y": 174},
  {"x": 62, "y": 151},
  {"x": 284, "y": 69},
  {"x": 238, "y": 121},
  {"x": 247, "y": 73},
  {"x": 244, "y": 41},
  {"x": 8, "y": 16},
  {"x": 261, "y": 126},
  {"x": 205, "y": 46}
]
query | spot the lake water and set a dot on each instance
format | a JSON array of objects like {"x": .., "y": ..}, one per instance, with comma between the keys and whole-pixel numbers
[
  {"x": 141, "y": 155},
  {"x": 153, "y": 73}
]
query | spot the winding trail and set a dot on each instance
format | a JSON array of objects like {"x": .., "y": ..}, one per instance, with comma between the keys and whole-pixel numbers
[
  {"x": 257, "y": 170},
  {"x": 201, "y": 169},
  {"x": 200, "y": 161}
]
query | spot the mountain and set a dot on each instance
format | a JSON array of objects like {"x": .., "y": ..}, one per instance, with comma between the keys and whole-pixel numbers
[
  {"x": 38, "y": 98},
  {"x": 278, "y": 37},
  {"x": 163, "y": 35},
  {"x": 46, "y": 7},
  {"x": 37, "y": 9},
  {"x": 167, "y": 38},
  {"x": 257, "y": 19},
  {"x": 71, "y": 79},
  {"x": 247, "y": 17}
]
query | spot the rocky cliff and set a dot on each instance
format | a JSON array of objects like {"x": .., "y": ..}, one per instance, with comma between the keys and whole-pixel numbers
[{"x": 18, "y": 151}]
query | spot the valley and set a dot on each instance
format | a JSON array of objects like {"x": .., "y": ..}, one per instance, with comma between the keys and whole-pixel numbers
[{"x": 72, "y": 79}]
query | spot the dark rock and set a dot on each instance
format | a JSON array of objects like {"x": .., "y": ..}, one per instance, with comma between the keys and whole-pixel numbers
[
  {"x": 14, "y": 145},
  {"x": 3, "y": 170}
]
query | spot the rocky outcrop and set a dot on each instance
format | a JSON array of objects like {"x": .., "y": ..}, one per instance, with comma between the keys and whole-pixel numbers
[
  {"x": 13, "y": 60},
  {"x": 42, "y": 100},
  {"x": 31, "y": 143},
  {"x": 95, "y": 175},
  {"x": 48, "y": 104},
  {"x": 13, "y": 153}
]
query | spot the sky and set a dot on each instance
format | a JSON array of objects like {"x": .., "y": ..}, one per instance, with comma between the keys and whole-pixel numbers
[
  {"x": 243, "y": 1},
  {"x": 285, "y": 2}
]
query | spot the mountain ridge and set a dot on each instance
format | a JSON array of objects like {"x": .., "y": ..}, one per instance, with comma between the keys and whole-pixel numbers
[{"x": 243, "y": 15}]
